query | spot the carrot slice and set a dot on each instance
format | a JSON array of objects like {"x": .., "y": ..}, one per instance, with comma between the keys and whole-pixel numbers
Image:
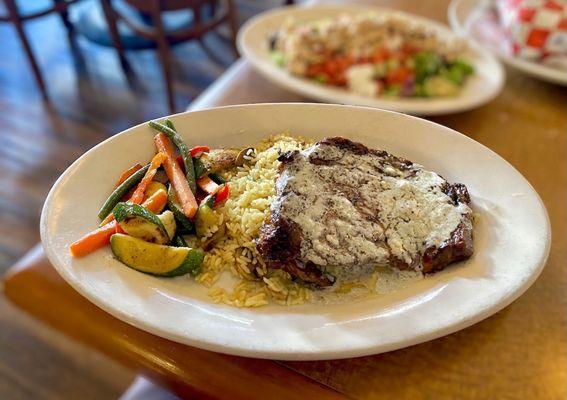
[
  {"x": 176, "y": 177},
  {"x": 208, "y": 185},
  {"x": 138, "y": 194},
  {"x": 127, "y": 174},
  {"x": 101, "y": 237}
]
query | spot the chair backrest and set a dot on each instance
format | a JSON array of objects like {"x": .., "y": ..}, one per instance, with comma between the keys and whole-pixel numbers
[{"x": 166, "y": 5}]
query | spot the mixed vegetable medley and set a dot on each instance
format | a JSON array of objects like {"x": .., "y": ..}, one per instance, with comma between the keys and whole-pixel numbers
[
  {"x": 158, "y": 216},
  {"x": 372, "y": 55}
]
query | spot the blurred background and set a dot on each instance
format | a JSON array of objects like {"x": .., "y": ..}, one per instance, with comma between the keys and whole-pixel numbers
[
  {"x": 87, "y": 96},
  {"x": 75, "y": 72}
]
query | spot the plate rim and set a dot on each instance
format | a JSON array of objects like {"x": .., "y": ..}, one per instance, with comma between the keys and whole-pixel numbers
[
  {"x": 326, "y": 95},
  {"x": 290, "y": 354},
  {"x": 537, "y": 71}
]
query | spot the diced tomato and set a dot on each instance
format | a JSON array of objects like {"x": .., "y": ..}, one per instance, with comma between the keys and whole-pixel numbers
[
  {"x": 198, "y": 150},
  {"x": 344, "y": 62},
  {"x": 119, "y": 229},
  {"x": 408, "y": 49},
  {"x": 381, "y": 55},
  {"x": 222, "y": 195},
  {"x": 399, "y": 76},
  {"x": 331, "y": 67},
  {"x": 314, "y": 70}
]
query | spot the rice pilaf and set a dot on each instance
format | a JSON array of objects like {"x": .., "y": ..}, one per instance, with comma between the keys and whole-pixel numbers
[{"x": 251, "y": 192}]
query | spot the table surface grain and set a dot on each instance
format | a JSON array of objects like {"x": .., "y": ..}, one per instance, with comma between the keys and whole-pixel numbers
[{"x": 519, "y": 353}]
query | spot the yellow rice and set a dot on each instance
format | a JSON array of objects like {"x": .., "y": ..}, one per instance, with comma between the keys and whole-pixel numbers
[{"x": 251, "y": 192}]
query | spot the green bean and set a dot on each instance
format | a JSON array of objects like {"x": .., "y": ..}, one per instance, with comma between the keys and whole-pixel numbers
[
  {"x": 120, "y": 191},
  {"x": 172, "y": 134},
  {"x": 169, "y": 124},
  {"x": 200, "y": 168}
]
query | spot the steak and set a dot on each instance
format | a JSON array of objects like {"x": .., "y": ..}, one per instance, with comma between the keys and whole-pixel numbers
[{"x": 341, "y": 208}]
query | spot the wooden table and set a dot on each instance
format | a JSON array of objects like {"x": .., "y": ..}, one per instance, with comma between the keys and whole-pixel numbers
[{"x": 519, "y": 353}]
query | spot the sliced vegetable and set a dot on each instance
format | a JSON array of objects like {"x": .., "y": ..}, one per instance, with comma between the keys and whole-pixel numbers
[
  {"x": 206, "y": 217},
  {"x": 93, "y": 240},
  {"x": 217, "y": 178},
  {"x": 199, "y": 150},
  {"x": 462, "y": 65},
  {"x": 439, "y": 86},
  {"x": 179, "y": 241},
  {"x": 172, "y": 135},
  {"x": 184, "y": 223},
  {"x": 278, "y": 58},
  {"x": 156, "y": 259},
  {"x": 101, "y": 236},
  {"x": 392, "y": 90},
  {"x": 139, "y": 193},
  {"x": 221, "y": 196},
  {"x": 176, "y": 177},
  {"x": 200, "y": 168},
  {"x": 427, "y": 63},
  {"x": 168, "y": 221},
  {"x": 138, "y": 222},
  {"x": 209, "y": 201},
  {"x": 156, "y": 202},
  {"x": 169, "y": 124},
  {"x": 208, "y": 185},
  {"x": 127, "y": 173},
  {"x": 120, "y": 191},
  {"x": 153, "y": 187},
  {"x": 141, "y": 190}
]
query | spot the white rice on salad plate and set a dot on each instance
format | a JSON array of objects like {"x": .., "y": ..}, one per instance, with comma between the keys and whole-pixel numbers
[{"x": 234, "y": 253}]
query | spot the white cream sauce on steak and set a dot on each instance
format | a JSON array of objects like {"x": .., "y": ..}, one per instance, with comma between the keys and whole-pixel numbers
[{"x": 357, "y": 209}]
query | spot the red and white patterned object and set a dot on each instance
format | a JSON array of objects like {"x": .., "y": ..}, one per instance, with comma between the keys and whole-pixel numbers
[{"x": 537, "y": 29}]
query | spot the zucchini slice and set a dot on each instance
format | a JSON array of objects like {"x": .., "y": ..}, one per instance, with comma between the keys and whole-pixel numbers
[
  {"x": 184, "y": 223},
  {"x": 205, "y": 218},
  {"x": 178, "y": 241},
  {"x": 136, "y": 221},
  {"x": 156, "y": 259}
]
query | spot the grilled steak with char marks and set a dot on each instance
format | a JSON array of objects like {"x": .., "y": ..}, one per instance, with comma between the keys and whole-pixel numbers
[{"x": 341, "y": 206}]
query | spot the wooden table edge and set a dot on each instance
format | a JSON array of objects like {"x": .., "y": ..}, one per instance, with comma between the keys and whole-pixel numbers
[{"x": 133, "y": 347}]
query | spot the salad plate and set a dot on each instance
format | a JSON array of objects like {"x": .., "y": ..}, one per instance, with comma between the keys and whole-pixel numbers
[
  {"x": 478, "y": 20},
  {"x": 482, "y": 86},
  {"x": 511, "y": 230}
]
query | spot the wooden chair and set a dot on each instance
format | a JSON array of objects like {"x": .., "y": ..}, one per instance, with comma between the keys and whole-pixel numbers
[
  {"x": 15, "y": 17},
  {"x": 153, "y": 9}
]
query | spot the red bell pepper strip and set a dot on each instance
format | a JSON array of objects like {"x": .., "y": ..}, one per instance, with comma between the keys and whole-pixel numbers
[
  {"x": 222, "y": 195},
  {"x": 199, "y": 149}
]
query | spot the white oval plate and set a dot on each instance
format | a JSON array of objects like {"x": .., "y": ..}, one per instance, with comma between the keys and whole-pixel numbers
[
  {"x": 481, "y": 88},
  {"x": 474, "y": 19},
  {"x": 511, "y": 243}
]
